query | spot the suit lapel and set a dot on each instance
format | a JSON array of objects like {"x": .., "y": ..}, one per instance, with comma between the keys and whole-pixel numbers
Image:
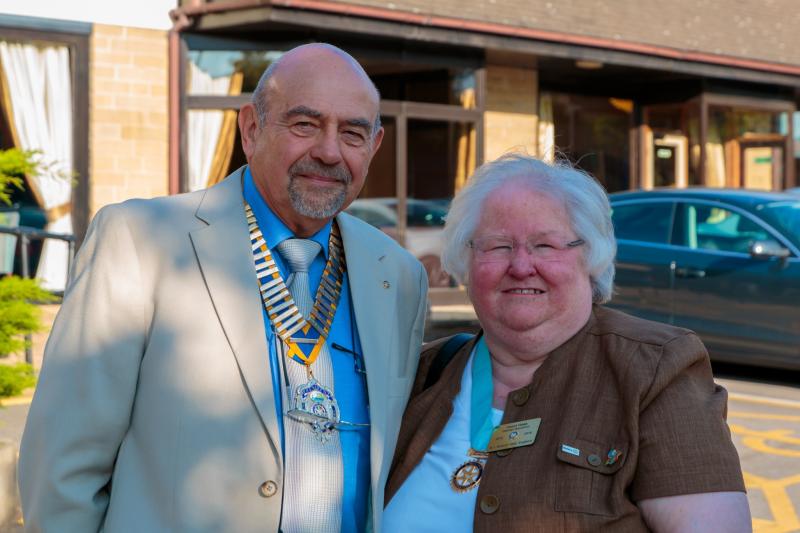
[
  {"x": 223, "y": 252},
  {"x": 373, "y": 287}
]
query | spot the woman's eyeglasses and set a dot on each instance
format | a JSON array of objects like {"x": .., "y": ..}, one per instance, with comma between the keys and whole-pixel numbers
[{"x": 495, "y": 249}]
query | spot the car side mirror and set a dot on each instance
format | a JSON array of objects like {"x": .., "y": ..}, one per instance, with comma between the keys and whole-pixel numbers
[{"x": 768, "y": 249}]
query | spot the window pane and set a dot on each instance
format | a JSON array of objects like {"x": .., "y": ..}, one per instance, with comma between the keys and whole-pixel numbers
[
  {"x": 218, "y": 66},
  {"x": 732, "y": 132},
  {"x": 785, "y": 216},
  {"x": 441, "y": 156},
  {"x": 647, "y": 221},
  {"x": 676, "y": 148},
  {"x": 714, "y": 228},
  {"x": 381, "y": 181},
  {"x": 421, "y": 83},
  {"x": 593, "y": 132}
]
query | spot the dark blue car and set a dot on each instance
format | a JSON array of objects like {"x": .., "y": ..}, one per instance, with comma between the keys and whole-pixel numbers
[{"x": 724, "y": 263}]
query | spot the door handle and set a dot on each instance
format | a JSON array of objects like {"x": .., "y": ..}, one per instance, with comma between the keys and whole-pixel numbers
[{"x": 690, "y": 273}]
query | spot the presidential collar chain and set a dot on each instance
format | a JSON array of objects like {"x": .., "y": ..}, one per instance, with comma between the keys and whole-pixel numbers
[{"x": 313, "y": 402}]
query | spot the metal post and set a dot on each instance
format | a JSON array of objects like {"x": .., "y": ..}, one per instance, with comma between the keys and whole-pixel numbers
[
  {"x": 401, "y": 162},
  {"x": 24, "y": 243},
  {"x": 70, "y": 257}
]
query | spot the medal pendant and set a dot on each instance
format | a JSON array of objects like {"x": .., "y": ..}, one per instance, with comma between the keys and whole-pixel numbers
[
  {"x": 467, "y": 476},
  {"x": 316, "y": 405}
]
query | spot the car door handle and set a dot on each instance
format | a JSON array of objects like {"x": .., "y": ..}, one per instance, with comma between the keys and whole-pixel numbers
[{"x": 691, "y": 273}]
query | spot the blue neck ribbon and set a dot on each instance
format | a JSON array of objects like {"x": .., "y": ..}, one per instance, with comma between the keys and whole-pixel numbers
[{"x": 480, "y": 423}]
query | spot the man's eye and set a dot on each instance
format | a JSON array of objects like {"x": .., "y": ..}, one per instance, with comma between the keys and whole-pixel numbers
[
  {"x": 304, "y": 127},
  {"x": 354, "y": 137}
]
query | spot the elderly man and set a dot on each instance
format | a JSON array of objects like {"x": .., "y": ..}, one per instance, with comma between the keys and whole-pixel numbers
[{"x": 236, "y": 359}]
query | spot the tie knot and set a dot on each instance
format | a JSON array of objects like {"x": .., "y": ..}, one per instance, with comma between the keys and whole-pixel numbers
[{"x": 299, "y": 253}]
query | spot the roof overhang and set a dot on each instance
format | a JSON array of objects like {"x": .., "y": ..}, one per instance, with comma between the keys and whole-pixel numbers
[{"x": 254, "y": 17}]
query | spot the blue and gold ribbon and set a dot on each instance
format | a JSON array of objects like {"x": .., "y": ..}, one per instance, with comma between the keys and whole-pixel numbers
[{"x": 281, "y": 308}]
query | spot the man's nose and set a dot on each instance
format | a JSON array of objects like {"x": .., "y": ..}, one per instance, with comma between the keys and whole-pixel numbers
[{"x": 327, "y": 149}]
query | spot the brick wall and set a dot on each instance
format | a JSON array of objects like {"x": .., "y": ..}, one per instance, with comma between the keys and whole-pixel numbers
[
  {"x": 510, "y": 119},
  {"x": 128, "y": 135},
  {"x": 755, "y": 29}
]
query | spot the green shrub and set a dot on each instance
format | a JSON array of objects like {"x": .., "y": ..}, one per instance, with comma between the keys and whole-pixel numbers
[
  {"x": 16, "y": 378},
  {"x": 14, "y": 165},
  {"x": 18, "y": 316}
]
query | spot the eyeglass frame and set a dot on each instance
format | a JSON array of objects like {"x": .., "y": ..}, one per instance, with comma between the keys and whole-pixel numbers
[{"x": 528, "y": 247}]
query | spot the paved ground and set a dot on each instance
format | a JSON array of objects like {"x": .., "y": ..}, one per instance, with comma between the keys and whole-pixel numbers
[
  {"x": 764, "y": 418},
  {"x": 12, "y": 422}
]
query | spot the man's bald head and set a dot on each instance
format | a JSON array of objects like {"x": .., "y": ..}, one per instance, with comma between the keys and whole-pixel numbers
[{"x": 306, "y": 56}]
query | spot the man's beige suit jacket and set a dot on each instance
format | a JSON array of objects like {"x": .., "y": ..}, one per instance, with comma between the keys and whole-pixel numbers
[{"x": 155, "y": 407}]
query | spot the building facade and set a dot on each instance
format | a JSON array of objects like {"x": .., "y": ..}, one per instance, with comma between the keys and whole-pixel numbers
[
  {"x": 85, "y": 85},
  {"x": 639, "y": 94}
]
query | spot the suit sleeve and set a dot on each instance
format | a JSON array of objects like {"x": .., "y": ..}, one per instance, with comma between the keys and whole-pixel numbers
[
  {"x": 418, "y": 330},
  {"x": 685, "y": 444},
  {"x": 82, "y": 406}
]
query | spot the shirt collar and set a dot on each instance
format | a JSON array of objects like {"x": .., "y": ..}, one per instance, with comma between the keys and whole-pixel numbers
[{"x": 272, "y": 227}]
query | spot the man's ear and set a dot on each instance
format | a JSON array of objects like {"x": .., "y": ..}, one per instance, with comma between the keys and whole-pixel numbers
[
  {"x": 376, "y": 141},
  {"x": 248, "y": 128}
]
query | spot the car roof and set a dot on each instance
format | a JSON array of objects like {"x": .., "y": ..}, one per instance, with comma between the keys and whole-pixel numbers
[{"x": 741, "y": 197}]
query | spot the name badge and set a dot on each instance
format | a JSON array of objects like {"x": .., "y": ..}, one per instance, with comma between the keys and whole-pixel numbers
[{"x": 514, "y": 435}]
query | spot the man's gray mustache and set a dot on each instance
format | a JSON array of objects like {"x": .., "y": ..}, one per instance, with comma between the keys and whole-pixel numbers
[{"x": 337, "y": 173}]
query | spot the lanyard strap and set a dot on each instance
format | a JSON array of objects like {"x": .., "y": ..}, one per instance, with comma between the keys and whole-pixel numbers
[{"x": 480, "y": 423}]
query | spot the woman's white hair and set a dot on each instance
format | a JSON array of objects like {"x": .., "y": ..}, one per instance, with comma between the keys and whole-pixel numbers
[{"x": 584, "y": 200}]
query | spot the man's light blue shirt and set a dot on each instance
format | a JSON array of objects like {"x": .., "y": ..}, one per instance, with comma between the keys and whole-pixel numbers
[{"x": 350, "y": 385}]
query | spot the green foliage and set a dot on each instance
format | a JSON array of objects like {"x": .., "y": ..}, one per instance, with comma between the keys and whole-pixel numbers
[
  {"x": 16, "y": 378},
  {"x": 18, "y": 316},
  {"x": 14, "y": 164}
]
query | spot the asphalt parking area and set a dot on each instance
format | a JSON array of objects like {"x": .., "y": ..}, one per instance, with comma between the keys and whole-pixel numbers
[{"x": 766, "y": 432}]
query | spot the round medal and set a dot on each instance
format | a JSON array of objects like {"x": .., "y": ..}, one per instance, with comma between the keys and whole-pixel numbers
[
  {"x": 316, "y": 405},
  {"x": 467, "y": 476}
]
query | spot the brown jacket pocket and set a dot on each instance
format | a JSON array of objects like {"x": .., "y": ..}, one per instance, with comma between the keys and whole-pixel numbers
[{"x": 585, "y": 476}]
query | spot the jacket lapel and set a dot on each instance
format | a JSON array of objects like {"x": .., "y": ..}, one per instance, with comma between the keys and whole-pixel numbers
[
  {"x": 427, "y": 413},
  {"x": 223, "y": 252},
  {"x": 373, "y": 287}
]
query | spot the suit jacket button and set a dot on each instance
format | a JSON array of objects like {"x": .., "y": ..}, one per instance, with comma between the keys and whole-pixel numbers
[
  {"x": 490, "y": 504},
  {"x": 594, "y": 460},
  {"x": 268, "y": 489},
  {"x": 520, "y": 397},
  {"x": 504, "y": 453}
]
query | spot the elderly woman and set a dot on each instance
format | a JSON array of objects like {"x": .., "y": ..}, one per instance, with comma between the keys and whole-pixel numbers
[{"x": 561, "y": 415}]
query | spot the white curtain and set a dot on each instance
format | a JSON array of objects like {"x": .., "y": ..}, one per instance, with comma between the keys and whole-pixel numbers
[
  {"x": 204, "y": 126},
  {"x": 547, "y": 133},
  {"x": 40, "y": 98}
]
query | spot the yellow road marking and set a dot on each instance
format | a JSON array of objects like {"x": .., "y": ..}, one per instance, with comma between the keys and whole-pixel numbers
[
  {"x": 757, "y": 440},
  {"x": 785, "y": 517}
]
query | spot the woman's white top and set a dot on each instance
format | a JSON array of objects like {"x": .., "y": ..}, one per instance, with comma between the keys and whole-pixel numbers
[{"x": 426, "y": 502}]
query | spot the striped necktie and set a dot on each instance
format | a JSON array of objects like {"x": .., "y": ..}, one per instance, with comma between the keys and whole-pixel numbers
[{"x": 314, "y": 474}]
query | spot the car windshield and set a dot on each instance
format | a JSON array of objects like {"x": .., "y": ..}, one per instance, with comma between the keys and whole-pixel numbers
[{"x": 784, "y": 216}]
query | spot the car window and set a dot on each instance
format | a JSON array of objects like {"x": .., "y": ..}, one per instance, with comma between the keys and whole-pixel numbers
[
  {"x": 423, "y": 213},
  {"x": 643, "y": 221},
  {"x": 372, "y": 214},
  {"x": 785, "y": 216},
  {"x": 711, "y": 227}
]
